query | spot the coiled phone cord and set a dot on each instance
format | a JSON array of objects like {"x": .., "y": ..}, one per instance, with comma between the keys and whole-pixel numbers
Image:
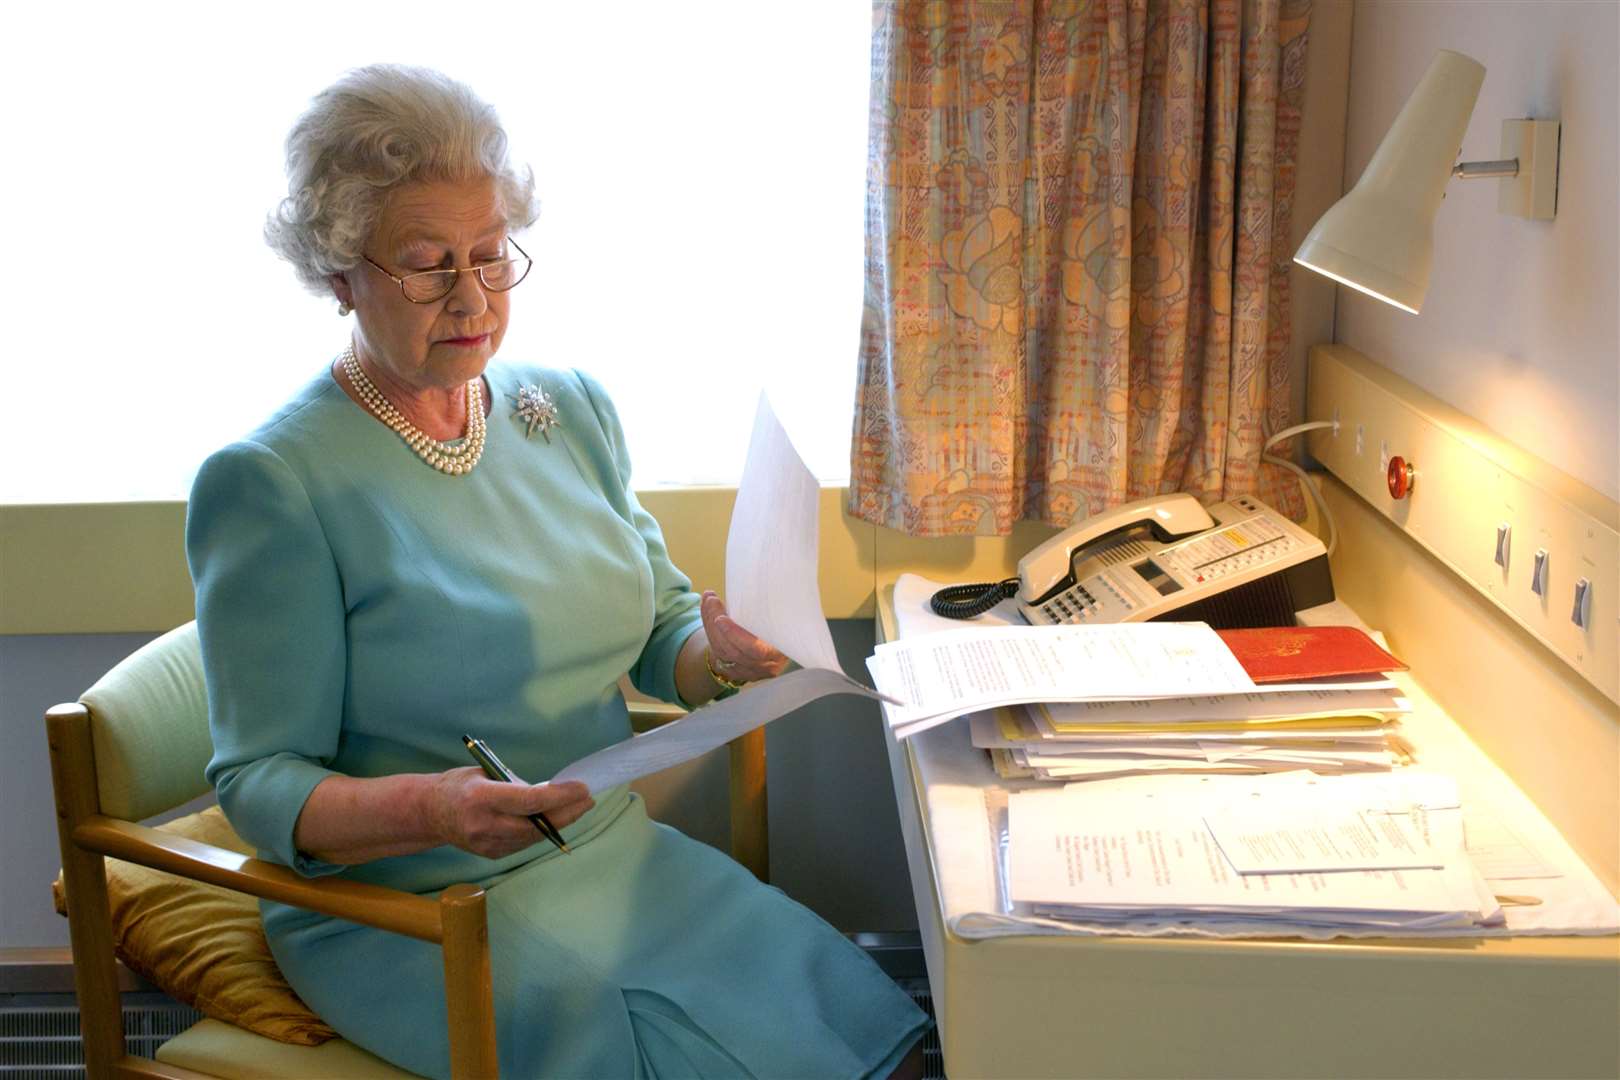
[{"x": 968, "y": 601}]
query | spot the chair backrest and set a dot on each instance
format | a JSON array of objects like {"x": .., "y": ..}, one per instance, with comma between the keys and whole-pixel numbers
[{"x": 149, "y": 727}]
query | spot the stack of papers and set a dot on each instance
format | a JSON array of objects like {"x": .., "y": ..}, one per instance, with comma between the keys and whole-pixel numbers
[
  {"x": 1320, "y": 852},
  {"x": 1543, "y": 886},
  {"x": 940, "y": 676},
  {"x": 1325, "y": 730},
  {"x": 1101, "y": 701}
]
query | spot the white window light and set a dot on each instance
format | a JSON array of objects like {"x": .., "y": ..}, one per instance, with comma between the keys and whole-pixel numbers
[{"x": 701, "y": 169}]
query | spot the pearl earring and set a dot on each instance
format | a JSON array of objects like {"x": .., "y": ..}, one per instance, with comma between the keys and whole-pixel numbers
[{"x": 344, "y": 309}]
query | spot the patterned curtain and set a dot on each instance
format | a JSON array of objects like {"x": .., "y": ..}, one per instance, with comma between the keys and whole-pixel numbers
[{"x": 1077, "y": 257}]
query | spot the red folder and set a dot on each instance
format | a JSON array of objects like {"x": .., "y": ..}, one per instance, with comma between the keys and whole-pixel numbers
[{"x": 1293, "y": 653}]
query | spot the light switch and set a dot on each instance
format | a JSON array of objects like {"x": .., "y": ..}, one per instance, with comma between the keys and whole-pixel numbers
[
  {"x": 1538, "y": 576},
  {"x": 1583, "y": 603},
  {"x": 1503, "y": 532}
]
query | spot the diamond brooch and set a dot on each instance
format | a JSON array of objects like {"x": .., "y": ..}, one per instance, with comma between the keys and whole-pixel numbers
[{"x": 536, "y": 408}]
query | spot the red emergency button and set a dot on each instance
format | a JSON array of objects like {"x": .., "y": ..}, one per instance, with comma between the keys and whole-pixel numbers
[{"x": 1401, "y": 477}]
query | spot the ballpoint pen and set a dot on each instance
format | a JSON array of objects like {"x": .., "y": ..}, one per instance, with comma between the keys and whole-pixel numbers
[{"x": 496, "y": 769}]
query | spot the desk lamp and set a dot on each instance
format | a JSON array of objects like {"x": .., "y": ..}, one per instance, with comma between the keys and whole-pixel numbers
[{"x": 1379, "y": 238}]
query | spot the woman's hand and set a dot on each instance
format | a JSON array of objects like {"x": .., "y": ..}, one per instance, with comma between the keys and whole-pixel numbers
[
  {"x": 489, "y": 817},
  {"x": 737, "y": 654}
]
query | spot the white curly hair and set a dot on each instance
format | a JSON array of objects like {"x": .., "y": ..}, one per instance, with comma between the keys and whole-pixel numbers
[{"x": 374, "y": 129}]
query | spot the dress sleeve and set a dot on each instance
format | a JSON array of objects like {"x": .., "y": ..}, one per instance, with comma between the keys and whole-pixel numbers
[
  {"x": 270, "y": 618},
  {"x": 676, "y": 613}
]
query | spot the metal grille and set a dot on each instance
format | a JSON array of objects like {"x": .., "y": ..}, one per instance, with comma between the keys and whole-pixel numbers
[
  {"x": 1122, "y": 551},
  {"x": 39, "y": 1033},
  {"x": 933, "y": 1053}
]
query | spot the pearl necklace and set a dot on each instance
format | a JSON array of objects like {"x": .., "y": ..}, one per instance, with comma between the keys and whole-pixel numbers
[{"x": 449, "y": 459}]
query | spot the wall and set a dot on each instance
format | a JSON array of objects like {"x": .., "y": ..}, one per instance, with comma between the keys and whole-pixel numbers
[
  {"x": 36, "y": 672},
  {"x": 1519, "y": 327},
  {"x": 1318, "y": 179}
]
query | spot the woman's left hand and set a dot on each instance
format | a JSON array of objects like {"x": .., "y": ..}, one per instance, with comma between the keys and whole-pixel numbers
[{"x": 737, "y": 654}]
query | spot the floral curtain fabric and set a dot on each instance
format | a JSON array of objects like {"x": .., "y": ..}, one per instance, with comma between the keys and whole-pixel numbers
[{"x": 1077, "y": 256}]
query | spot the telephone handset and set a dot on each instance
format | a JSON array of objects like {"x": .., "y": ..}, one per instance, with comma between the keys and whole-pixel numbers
[
  {"x": 1238, "y": 563},
  {"x": 1050, "y": 567}
]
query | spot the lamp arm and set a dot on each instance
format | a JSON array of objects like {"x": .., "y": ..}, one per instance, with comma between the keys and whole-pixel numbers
[{"x": 1485, "y": 170}]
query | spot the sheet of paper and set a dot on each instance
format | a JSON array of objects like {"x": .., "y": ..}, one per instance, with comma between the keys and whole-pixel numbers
[
  {"x": 1258, "y": 706},
  {"x": 1275, "y": 837},
  {"x": 1093, "y": 769},
  {"x": 988, "y": 734},
  {"x": 772, "y": 548},
  {"x": 1211, "y": 752},
  {"x": 702, "y": 730},
  {"x": 1148, "y": 857},
  {"x": 771, "y": 590},
  {"x": 1498, "y": 851},
  {"x": 1371, "y": 721},
  {"x": 951, "y": 673},
  {"x": 1012, "y": 726},
  {"x": 1399, "y": 792},
  {"x": 1333, "y": 682}
]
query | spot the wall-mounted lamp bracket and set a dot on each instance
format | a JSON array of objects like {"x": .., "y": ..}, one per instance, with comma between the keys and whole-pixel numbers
[
  {"x": 1528, "y": 169},
  {"x": 1485, "y": 170}
]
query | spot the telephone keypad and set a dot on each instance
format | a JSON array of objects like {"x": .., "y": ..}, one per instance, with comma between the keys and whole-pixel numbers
[{"x": 1080, "y": 604}]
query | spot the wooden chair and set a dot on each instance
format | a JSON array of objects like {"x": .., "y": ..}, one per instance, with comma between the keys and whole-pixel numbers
[{"x": 135, "y": 746}]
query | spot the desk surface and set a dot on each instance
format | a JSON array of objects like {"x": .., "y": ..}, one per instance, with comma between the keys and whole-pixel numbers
[{"x": 1042, "y": 1005}]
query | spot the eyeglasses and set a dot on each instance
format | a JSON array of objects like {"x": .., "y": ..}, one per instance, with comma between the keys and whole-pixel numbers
[{"x": 431, "y": 285}]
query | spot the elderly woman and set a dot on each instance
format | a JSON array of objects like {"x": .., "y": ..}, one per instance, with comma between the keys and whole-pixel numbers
[{"x": 422, "y": 543}]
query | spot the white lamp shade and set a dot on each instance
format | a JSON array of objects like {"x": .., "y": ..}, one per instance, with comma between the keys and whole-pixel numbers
[{"x": 1379, "y": 238}]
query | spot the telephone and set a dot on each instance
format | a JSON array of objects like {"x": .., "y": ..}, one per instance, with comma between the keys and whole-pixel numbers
[{"x": 1237, "y": 564}]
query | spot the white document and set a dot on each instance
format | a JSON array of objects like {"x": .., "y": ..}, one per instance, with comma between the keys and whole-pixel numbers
[
  {"x": 1275, "y": 837},
  {"x": 1215, "y": 744},
  {"x": 1257, "y": 706},
  {"x": 707, "y": 728},
  {"x": 1399, "y": 792},
  {"x": 1210, "y": 753},
  {"x": 771, "y": 590},
  {"x": 1498, "y": 851},
  {"x": 772, "y": 548},
  {"x": 1373, "y": 681},
  {"x": 948, "y": 674},
  {"x": 1102, "y": 857}
]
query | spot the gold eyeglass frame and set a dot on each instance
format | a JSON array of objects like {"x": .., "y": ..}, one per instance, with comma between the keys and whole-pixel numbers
[{"x": 456, "y": 272}]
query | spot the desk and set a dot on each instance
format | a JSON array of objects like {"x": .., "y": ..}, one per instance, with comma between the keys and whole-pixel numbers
[{"x": 1030, "y": 1006}]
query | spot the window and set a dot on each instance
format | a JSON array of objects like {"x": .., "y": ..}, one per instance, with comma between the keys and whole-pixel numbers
[{"x": 701, "y": 167}]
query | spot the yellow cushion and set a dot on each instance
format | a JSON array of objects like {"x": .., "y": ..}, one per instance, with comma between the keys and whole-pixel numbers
[
  {"x": 217, "y": 1049},
  {"x": 202, "y": 944}
]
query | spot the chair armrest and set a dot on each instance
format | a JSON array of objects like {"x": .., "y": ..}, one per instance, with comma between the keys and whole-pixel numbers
[
  {"x": 750, "y": 839},
  {"x": 646, "y": 715},
  {"x": 456, "y": 921},
  {"x": 372, "y": 905}
]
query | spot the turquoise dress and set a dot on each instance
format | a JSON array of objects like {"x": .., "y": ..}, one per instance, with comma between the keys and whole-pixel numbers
[{"x": 359, "y": 611}]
